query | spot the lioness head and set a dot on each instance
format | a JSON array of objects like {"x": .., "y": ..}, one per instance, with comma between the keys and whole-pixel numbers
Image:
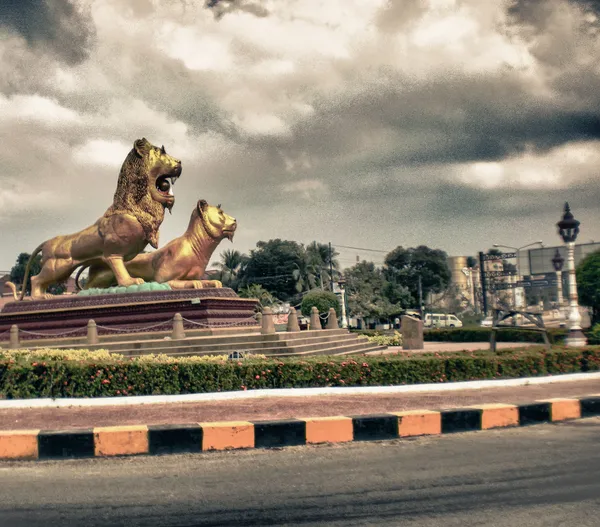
[{"x": 216, "y": 223}]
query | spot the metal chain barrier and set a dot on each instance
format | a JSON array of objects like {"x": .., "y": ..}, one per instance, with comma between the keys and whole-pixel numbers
[
  {"x": 205, "y": 325},
  {"x": 136, "y": 328},
  {"x": 36, "y": 333}
]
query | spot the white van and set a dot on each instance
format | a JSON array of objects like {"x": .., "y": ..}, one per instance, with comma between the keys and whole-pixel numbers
[{"x": 441, "y": 320}]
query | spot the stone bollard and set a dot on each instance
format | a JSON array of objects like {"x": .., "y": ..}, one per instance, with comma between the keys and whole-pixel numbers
[
  {"x": 315, "y": 321},
  {"x": 332, "y": 319},
  {"x": 178, "y": 332},
  {"x": 92, "y": 332},
  {"x": 292, "y": 323},
  {"x": 412, "y": 333},
  {"x": 268, "y": 325},
  {"x": 14, "y": 337},
  {"x": 258, "y": 317}
]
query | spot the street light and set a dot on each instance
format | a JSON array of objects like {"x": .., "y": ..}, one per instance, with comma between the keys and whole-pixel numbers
[
  {"x": 558, "y": 262},
  {"x": 518, "y": 251},
  {"x": 568, "y": 228},
  {"x": 341, "y": 284}
]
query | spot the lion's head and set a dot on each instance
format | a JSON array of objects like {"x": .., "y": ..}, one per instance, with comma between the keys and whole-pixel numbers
[
  {"x": 144, "y": 188},
  {"x": 148, "y": 170},
  {"x": 212, "y": 220}
]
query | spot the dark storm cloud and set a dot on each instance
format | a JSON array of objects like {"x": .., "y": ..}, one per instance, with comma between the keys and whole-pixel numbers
[
  {"x": 445, "y": 121},
  {"x": 55, "y": 25},
  {"x": 450, "y": 200},
  {"x": 220, "y": 8}
]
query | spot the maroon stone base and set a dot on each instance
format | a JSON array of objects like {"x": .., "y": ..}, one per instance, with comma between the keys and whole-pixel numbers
[{"x": 68, "y": 316}]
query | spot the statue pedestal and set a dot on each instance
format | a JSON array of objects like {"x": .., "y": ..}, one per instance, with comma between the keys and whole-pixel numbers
[{"x": 68, "y": 315}]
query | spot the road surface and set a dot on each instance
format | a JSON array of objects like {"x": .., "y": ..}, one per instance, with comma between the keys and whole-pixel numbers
[{"x": 547, "y": 475}]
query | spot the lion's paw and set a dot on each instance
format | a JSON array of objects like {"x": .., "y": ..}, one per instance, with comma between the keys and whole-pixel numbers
[{"x": 197, "y": 284}]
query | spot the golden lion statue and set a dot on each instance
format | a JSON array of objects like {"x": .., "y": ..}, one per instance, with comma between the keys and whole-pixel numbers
[
  {"x": 182, "y": 262},
  {"x": 131, "y": 222}
]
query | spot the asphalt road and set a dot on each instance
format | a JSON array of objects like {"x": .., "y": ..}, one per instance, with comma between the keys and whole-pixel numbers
[{"x": 545, "y": 475}]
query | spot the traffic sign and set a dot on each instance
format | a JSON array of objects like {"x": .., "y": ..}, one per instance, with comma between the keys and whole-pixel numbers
[
  {"x": 501, "y": 286},
  {"x": 527, "y": 284},
  {"x": 492, "y": 274},
  {"x": 502, "y": 256}
]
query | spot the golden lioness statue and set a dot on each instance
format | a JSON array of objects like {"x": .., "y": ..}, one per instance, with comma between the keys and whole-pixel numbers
[
  {"x": 130, "y": 223},
  {"x": 181, "y": 263}
]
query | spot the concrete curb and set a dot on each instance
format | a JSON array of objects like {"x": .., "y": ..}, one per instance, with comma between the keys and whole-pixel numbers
[
  {"x": 202, "y": 437},
  {"x": 294, "y": 392}
]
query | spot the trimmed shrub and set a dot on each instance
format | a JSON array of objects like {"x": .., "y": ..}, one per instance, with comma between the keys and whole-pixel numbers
[
  {"x": 556, "y": 335},
  {"x": 385, "y": 340},
  {"x": 101, "y": 376},
  {"x": 594, "y": 334},
  {"x": 323, "y": 300}
]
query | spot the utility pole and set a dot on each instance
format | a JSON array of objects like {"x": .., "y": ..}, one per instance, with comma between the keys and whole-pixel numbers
[
  {"x": 483, "y": 284},
  {"x": 420, "y": 298},
  {"x": 330, "y": 267}
]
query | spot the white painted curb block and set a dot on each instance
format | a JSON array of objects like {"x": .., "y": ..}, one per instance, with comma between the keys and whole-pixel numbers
[{"x": 294, "y": 392}]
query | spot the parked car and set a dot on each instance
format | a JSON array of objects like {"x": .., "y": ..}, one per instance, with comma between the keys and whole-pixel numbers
[{"x": 441, "y": 320}]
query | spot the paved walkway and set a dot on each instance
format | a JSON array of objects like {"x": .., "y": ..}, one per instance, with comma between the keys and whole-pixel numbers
[
  {"x": 455, "y": 346},
  {"x": 282, "y": 407}
]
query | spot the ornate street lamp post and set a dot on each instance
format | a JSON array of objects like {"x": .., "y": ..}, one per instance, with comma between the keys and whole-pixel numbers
[
  {"x": 341, "y": 284},
  {"x": 558, "y": 262},
  {"x": 568, "y": 228}
]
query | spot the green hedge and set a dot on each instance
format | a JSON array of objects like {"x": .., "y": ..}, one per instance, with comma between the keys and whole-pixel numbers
[
  {"x": 556, "y": 335},
  {"x": 112, "y": 377}
]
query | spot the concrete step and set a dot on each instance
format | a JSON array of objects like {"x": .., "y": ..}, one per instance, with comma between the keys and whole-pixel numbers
[
  {"x": 157, "y": 343},
  {"x": 256, "y": 346},
  {"x": 116, "y": 337},
  {"x": 292, "y": 348},
  {"x": 356, "y": 348}
]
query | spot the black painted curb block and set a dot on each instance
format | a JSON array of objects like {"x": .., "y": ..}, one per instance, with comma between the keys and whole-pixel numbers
[
  {"x": 590, "y": 406},
  {"x": 535, "y": 413},
  {"x": 273, "y": 434},
  {"x": 460, "y": 420},
  {"x": 374, "y": 427},
  {"x": 174, "y": 439},
  {"x": 57, "y": 444}
]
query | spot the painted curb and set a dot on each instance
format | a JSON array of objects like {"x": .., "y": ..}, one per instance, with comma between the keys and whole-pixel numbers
[
  {"x": 294, "y": 392},
  {"x": 205, "y": 437}
]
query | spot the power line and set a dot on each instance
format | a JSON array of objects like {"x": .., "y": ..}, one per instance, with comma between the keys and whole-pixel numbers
[{"x": 361, "y": 249}]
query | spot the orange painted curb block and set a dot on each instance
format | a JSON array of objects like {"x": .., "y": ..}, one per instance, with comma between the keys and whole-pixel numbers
[
  {"x": 561, "y": 409},
  {"x": 336, "y": 429},
  {"x": 19, "y": 444},
  {"x": 498, "y": 415},
  {"x": 120, "y": 440},
  {"x": 227, "y": 435},
  {"x": 418, "y": 423}
]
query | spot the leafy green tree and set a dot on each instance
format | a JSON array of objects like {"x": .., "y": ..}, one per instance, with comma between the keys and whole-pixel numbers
[
  {"x": 17, "y": 273},
  {"x": 367, "y": 291},
  {"x": 279, "y": 266},
  {"x": 588, "y": 284},
  {"x": 405, "y": 266}
]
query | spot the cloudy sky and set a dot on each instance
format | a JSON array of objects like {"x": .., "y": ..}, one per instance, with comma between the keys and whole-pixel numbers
[{"x": 368, "y": 123}]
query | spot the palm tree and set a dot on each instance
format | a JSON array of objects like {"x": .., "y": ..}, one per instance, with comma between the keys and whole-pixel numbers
[
  {"x": 231, "y": 263},
  {"x": 258, "y": 291},
  {"x": 318, "y": 258}
]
